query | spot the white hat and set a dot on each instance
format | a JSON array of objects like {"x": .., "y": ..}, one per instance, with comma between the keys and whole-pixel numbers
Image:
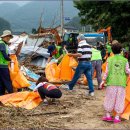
[
  {"x": 6, "y": 33},
  {"x": 81, "y": 37}
]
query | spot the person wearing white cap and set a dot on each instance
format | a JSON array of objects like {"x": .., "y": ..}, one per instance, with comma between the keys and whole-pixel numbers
[
  {"x": 5, "y": 81},
  {"x": 84, "y": 53}
]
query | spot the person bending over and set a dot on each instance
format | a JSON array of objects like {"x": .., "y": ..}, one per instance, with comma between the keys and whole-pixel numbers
[{"x": 46, "y": 89}]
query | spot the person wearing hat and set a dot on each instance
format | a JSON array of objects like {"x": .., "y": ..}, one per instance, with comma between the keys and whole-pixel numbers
[
  {"x": 5, "y": 81},
  {"x": 84, "y": 53},
  {"x": 56, "y": 52}
]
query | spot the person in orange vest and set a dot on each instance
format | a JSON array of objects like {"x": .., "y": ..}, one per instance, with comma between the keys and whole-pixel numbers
[
  {"x": 116, "y": 78},
  {"x": 46, "y": 89}
]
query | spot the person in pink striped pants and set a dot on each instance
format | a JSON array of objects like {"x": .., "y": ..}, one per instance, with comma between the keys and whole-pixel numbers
[{"x": 115, "y": 77}]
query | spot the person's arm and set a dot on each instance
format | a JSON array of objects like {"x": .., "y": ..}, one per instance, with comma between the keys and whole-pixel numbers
[
  {"x": 65, "y": 49},
  {"x": 78, "y": 54},
  {"x": 105, "y": 74},
  {"x": 75, "y": 55},
  {"x": 5, "y": 55},
  {"x": 127, "y": 69},
  {"x": 39, "y": 85},
  {"x": 49, "y": 59},
  {"x": 60, "y": 57},
  {"x": 104, "y": 78},
  {"x": 61, "y": 54},
  {"x": 3, "y": 51}
]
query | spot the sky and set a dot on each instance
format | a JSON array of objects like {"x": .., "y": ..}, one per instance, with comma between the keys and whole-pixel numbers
[{"x": 21, "y": 3}]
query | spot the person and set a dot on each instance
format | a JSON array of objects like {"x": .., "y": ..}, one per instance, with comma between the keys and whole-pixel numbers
[
  {"x": 114, "y": 42},
  {"x": 96, "y": 60},
  {"x": 5, "y": 81},
  {"x": 108, "y": 47},
  {"x": 84, "y": 53},
  {"x": 56, "y": 52},
  {"x": 115, "y": 77},
  {"x": 46, "y": 89},
  {"x": 103, "y": 52},
  {"x": 70, "y": 40},
  {"x": 98, "y": 45}
]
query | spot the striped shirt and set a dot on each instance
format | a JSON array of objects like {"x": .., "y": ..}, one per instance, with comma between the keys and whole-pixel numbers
[{"x": 85, "y": 49}]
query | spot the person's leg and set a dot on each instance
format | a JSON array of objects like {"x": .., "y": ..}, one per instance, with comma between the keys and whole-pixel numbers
[
  {"x": 93, "y": 67},
  {"x": 79, "y": 70},
  {"x": 98, "y": 71},
  {"x": 55, "y": 93},
  {"x": 6, "y": 80},
  {"x": 109, "y": 101},
  {"x": 2, "y": 87},
  {"x": 88, "y": 74},
  {"x": 120, "y": 102},
  {"x": 42, "y": 92}
]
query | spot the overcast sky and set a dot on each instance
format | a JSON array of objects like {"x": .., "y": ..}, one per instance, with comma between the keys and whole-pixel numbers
[{"x": 17, "y": 2}]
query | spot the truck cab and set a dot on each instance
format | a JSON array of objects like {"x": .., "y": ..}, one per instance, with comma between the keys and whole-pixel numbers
[
  {"x": 93, "y": 38},
  {"x": 70, "y": 39}
]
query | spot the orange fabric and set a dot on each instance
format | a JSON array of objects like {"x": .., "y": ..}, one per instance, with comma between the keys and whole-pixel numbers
[
  {"x": 104, "y": 66},
  {"x": 105, "y": 63},
  {"x": 73, "y": 62},
  {"x": 126, "y": 113},
  {"x": 16, "y": 64},
  {"x": 65, "y": 71},
  {"x": 17, "y": 77},
  {"x": 51, "y": 73},
  {"x": 20, "y": 81},
  {"x": 61, "y": 72},
  {"x": 27, "y": 100}
]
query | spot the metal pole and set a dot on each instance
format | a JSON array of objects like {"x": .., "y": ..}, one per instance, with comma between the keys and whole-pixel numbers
[{"x": 62, "y": 18}]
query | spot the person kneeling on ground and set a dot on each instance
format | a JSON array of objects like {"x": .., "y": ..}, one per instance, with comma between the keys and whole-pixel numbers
[{"x": 46, "y": 89}]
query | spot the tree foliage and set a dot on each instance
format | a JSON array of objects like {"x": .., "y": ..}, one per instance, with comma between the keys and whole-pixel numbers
[
  {"x": 101, "y": 14},
  {"x": 4, "y": 25}
]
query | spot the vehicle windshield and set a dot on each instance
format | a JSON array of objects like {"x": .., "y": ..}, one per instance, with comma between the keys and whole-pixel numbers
[
  {"x": 93, "y": 40},
  {"x": 66, "y": 37}
]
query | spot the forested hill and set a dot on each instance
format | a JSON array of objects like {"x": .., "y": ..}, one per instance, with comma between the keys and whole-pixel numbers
[{"x": 26, "y": 17}]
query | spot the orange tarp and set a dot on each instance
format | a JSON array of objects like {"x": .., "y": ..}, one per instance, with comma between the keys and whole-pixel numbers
[
  {"x": 126, "y": 113},
  {"x": 17, "y": 77},
  {"x": 105, "y": 63},
  {"x": 50, "y": 72},
  {"x": 63, "y": 71},
  {"x": 27, "y": 100}
]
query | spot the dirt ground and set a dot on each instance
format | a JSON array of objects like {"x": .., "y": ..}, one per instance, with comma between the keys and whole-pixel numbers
[{"x": 73, "y": 111}]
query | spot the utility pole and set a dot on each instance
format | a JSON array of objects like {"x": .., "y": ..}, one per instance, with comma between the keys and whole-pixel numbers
[{"x": 62, "y": 18}]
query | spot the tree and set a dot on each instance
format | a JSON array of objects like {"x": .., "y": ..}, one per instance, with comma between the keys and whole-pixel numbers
[
  {"x": 101, "y": 14},
  {"x": 4, "y": 25}
]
